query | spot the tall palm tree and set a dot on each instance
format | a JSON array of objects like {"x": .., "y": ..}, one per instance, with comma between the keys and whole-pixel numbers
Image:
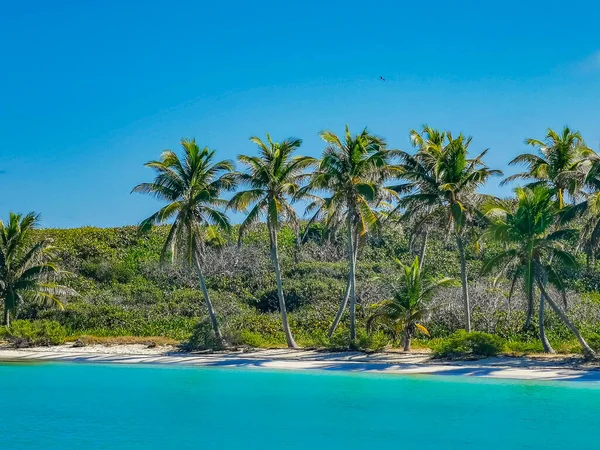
[
  {"x": 560, "y": 163},
  {"x": 28, "y": 270},
  {"x": 587, "y": 210},
  {"x": 533, "y": 250},
  {"x": 429, "y": 140},
  {"x": 353, "y": 172},
  {"x": 410, "y": 305},
  {"x": 274, "y": 179},
  {"x": 191, "y": 186},
  {"x": 442, "y": 181}
]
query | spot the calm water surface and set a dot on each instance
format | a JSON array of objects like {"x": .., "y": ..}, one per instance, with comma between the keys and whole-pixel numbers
[{"x": 80, "y": 406}]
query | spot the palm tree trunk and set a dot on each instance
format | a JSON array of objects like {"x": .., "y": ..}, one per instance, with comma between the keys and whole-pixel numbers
[
  {"x": 529, "y": 318},
  {"x": 209, "y": 305},
  {"x": 464, "y": 281},
  {"x": 352, "y": 279},
  {"x": 291, "y": 343},
  {"x": 545, "y": 343},
  {"x": 561, "y": 198},
  {"x": 6, "y": 316},
  {"x": 406, "y": 339},
  {"x": 344, "y": 302},
  {"x": 423, "y": 248},
  {"x": 587, "y": 350}
]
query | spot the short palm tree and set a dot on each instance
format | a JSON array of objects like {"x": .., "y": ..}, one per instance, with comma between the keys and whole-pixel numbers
[
  {"x": 442, "y": 182},
  {"x": 28, "y": 270},
  {"x": 410, "y": 305},
  {"x": 191, "y": 186},
  {"x": 274, "y": 179},
  {"x": 353, "y": 172},
  {"x": 560, "y": 163},
  {"x": 534, "y": 249}
]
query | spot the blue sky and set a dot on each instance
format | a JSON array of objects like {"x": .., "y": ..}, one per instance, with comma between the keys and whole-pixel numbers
[{"x": 89, "y": 91}]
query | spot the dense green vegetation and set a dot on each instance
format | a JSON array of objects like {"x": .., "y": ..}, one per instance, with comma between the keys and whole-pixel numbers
[{"x": 467, "y": 261}]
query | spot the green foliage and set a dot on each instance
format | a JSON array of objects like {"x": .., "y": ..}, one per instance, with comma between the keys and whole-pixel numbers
[
  {"x": 202, "y": 338},
  {"x": 364, "y": 341},
  {"x": 25, "y": 333},
  {"x": 156, "y": 300},
  {"x": 474, "y": 344}
]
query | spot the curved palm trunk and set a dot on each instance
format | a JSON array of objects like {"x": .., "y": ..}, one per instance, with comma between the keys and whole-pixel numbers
[
  {"x": 587, "y": 350},
  {"x": 209, "y": 305},
  {"x": 464, "y": 281},
  {"x": 291, "y": 343},
  {"x": 423, "y": 248},
  {"x": 545, "y": 343},
  {"x": 344, "y": 302},
  {"x": 352, "y": 280}
]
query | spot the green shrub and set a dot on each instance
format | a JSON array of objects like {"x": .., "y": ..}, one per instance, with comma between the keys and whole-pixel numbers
[
  {"x": 523, "y": 347},
  {"x": 25, "y": 333},
  {"x": 473, "y": 344},
  {"x": 202, "y": 338},
  {"x": 364, "y": 341},
  {"x": 594, "y": 341}
]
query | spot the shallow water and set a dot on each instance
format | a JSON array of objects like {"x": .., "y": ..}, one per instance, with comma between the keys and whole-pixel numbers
[{"x": 82, "y": 406}]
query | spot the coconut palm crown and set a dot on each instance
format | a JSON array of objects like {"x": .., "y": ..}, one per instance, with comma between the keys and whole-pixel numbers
[
  {"x": 28, "y": 269},
  {"x": 410, "y": 304},
  {"x": 561, "y": 163}
]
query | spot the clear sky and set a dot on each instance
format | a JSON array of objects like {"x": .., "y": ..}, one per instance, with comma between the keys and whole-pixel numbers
[{"x": 90, "y": 90}]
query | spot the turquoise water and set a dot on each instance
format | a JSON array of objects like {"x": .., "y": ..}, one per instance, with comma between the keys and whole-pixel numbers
[{"x": 80, "y": 406}]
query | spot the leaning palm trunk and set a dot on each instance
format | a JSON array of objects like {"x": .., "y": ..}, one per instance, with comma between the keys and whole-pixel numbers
[
  {"x": 344, "y": 302},
  {"x": 209, "y": 305},
  {"x": 587, "y": 350},
  {"x": 464, "y": 281},
  {"x": 423, "y": 249},
  {"x": 352, "y": 279},
  {"x": 291, "y": 343},
  {"x": 546, "y": 344}
]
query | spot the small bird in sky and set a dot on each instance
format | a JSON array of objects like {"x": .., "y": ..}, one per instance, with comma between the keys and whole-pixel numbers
[{"x": 381, "y": 78}]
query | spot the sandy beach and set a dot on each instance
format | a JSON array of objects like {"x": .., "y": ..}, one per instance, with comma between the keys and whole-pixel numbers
[{"x": 554, "y": 368}]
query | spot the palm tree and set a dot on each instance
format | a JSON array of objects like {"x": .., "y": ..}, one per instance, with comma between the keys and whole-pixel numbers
[
  {"x": 410, "y": 305},
  {"x": 442, "y": 182},
  {"x": 191, "y": 187},
  {"x": 560, "y": 163},
  {"x": 274, "y": 179},
  {"x": 421, "y": 219},
  {"x": 28, "y": 270},
  {"x": 533, "y": 250},
  {"x": 588, "y": 210},
  {"x": 353, "y": 171}
]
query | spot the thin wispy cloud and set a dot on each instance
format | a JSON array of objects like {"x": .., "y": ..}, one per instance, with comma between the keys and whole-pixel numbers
[{"x": 591, "y": 63}]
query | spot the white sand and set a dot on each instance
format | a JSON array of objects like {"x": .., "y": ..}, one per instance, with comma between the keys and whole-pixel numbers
[{"x": 283, "y": 359}]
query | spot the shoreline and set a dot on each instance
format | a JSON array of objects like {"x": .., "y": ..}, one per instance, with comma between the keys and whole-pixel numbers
[{"x": 513, "y": 368}]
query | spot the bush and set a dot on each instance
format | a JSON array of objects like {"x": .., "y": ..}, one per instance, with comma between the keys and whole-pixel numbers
[
  {"x": 202, "y": 338},
  {"x": 364, "y": 341},
  {"x": 23, "y": 333},
  {"x": 474, "y": 344}
]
